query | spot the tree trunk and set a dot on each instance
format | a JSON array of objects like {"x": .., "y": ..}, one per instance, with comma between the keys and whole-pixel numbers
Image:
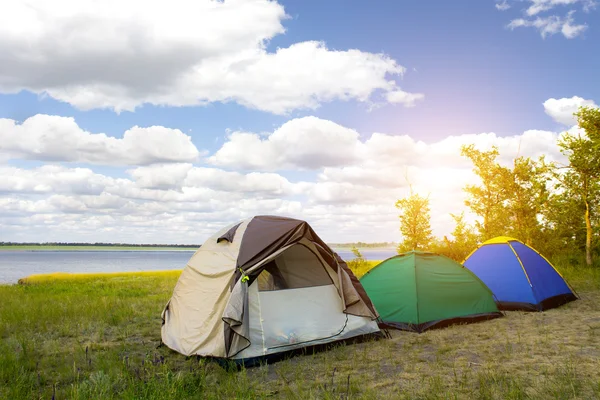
[{"x": 588, "y": 235}]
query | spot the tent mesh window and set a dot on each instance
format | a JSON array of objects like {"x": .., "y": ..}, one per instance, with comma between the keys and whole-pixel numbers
[{"x": 297, "y": 267}]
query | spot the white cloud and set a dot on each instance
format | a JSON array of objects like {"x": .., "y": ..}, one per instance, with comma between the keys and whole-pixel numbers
[
  {"x": 53, "y": 138},
  {"x": 52, "y": 179},
  {"x": 346, "y": 193},
  {"x": 120, "y": 55},
  {"x": 503, "y": 6},
  {"x": 351, "y": 197},
  {"x": 402, "y": 97},
  {"x": 389, "y": 164},
  {"x": 561, "y": 110},
  {"x": 254, "y": 183},
  {"x": 160, "y": 176},
  {"x": 301, "y": 143},
  {"x": 314, "y": 144},
  {"x": 538, "y": 6},
  {"x": 551, "y": 25}
]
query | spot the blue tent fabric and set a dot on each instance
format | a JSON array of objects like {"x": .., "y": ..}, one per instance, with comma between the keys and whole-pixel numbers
[
  {"x": 544, "y": 278},
  {"x": 497, "y": 266},
  {"x": 518, "y": 276}
]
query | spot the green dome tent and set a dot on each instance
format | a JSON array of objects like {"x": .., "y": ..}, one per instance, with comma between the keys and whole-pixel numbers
[{"x": 417, "y": 291}]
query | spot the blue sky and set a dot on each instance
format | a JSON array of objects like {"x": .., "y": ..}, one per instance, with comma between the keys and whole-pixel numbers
[{"x": 235, "y": 94}]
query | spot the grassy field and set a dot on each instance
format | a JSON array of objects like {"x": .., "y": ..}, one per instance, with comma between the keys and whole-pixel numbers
[
  {"x": 91, "y": 248},
  {"x": 96, "y": 337}
]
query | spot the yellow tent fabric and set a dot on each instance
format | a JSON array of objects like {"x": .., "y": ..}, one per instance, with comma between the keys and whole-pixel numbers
[{"x": 500, "y": 239}]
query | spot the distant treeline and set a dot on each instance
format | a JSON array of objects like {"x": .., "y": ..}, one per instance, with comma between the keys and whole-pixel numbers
[
  {"x": 364, "y": 245},
  {"x": 195, "y": 246},
  {"x": 97, "y": 244}
]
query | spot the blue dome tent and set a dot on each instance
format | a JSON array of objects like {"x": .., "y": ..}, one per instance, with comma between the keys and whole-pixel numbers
[{"x": 519, "y": 277}]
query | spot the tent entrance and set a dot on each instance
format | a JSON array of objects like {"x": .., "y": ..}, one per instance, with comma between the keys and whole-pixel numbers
[
  {"x": 297, "y": 316},
  {"x": 299, "y": 302},
  {"x": 297, "y": 267}
]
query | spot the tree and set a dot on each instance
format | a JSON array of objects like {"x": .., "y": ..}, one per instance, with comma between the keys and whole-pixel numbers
[
  {"x": 526, "y": 193},
  {"x": 487, "y": 200},
  {"x": 588, "y": 119},
  {"x": 564, "y": 228},
  {"x": 414, "y": 222},
  {"x": 464, "y": 240},
  {"x": 358, "y": 265},
  {"x": 580, "y": 182},
  {"x": 509, "y": 201}
]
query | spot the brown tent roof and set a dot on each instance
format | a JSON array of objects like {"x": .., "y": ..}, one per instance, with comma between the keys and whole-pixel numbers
[{"x": 266, "y": 234}]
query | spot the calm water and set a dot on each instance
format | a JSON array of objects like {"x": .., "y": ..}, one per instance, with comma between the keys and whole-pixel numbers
[{"x": 18, "y": 264}]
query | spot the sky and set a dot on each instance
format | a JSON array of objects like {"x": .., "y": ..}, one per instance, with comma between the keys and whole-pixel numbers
[{"x": 162, "y": 122}]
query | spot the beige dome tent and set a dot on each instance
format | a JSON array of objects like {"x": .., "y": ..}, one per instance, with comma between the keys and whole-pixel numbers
[{"x": 264, "y": 286}]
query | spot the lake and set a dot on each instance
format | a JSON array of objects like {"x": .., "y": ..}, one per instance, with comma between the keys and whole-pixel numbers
[{"x": 18, "y": 264}]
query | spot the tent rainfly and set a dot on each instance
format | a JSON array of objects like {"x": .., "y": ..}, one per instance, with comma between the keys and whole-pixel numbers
[
  {"x": 519, "y": 277},
  {"x": 264, "y": 286},
  {"x": 417, "y": 291}
]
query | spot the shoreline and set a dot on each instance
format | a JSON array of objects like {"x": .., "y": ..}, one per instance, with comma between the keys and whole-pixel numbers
[
  {"x": 26, "y": 248},
  {"x": 93, "y": 248}
]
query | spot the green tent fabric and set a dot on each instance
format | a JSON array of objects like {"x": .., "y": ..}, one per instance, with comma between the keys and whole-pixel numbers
[{"x": 417, "y": 291}]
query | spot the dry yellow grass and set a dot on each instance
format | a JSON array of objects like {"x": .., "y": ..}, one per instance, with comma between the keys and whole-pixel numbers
[{"x": 65, "y": 276}]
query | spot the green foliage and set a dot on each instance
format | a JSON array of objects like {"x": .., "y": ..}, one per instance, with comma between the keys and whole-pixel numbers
[
  {"x": 361, "y": 268},
  {"x": 588, "y": 118},
  {"x": 358, "y": 264},
  {"x": 527, "y": 192},
  {"x": 357, "y": 254},
  {"x": 487, "y": 200},
  {"x": 520, "y": 201},
  {"x": 463, "y": 243},
  {"x": 579, "y": 188},
  {"x": 509, "y": 201},
  {"x": 414, "y": 223}
]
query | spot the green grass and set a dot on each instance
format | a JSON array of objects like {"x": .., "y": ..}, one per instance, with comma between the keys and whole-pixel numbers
[
  {"x": 95, "y": 337},
  {"x": 91, "y": 248}
]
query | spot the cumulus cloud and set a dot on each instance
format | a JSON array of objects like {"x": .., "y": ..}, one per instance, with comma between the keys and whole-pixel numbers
[
  {"x": 160, "y": 176},
  {"x": 312, "y": 143},
  {"x": 378, "y": 170},
  {"x": 348, "y": 194},
  {"x": 52, "y": 179},
  {"x": 302, "y": 143},
  {"x": 53, "y": 138},
  {"x": 561, "y": 110},
  {"x": 187, "y": 52},
  {"x": 180, "y": 177},
  {"x": 390, "y": 164},
  {"x": 254, "y": 183},
  {"x": 402, "y": 97}
]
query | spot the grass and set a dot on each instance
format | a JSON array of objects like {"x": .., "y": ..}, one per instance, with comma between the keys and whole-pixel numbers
[
  {"x": 91, "y": 248},
  {"x": 89, "y": 336},
  {"x": 81, "y": 277}
]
